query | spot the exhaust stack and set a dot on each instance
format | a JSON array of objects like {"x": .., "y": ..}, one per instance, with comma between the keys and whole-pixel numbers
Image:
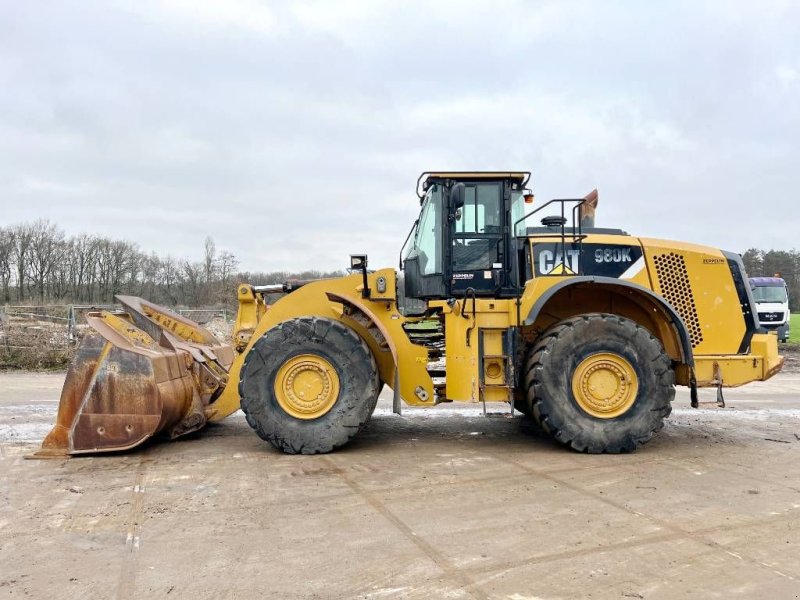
[{"x": 588, "y": 209}]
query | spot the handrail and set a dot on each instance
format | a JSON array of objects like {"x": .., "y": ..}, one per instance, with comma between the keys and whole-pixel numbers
[
  {"x": 580, "y": 201},
  {"x": 575, "y": 219}
]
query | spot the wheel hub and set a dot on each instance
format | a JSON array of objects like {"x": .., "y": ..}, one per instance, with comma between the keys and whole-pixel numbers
[
  {"x": 306, "y": 386},
  {"x": 605, "y": 385}
]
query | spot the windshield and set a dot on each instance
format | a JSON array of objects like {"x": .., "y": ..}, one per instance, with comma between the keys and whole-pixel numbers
[
  {"x": 427, "y": 244},
  {"x": 763, "y": 295}
]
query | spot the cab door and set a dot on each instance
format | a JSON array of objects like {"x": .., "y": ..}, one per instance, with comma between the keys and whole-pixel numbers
[{"x": 476, "y": 234}]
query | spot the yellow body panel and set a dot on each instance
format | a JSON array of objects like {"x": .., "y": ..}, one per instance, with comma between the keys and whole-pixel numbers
[
  {"x": 711, "y": 311},
  {"x": 415, "y": 385},
  {"x": 696, "y": 282},
  {"x": 732, "y": 370},
  {"x": 467, "y": 331}
]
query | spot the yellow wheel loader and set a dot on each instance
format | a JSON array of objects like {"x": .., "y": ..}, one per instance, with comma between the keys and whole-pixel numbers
[{"x": 498, "y": 299}]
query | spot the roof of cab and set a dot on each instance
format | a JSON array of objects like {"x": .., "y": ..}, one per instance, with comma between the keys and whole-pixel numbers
[{"x": 521, "y": 176}]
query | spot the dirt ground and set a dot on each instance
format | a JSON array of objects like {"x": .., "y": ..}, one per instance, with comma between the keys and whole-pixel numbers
[{"x": 442, "y": 503}]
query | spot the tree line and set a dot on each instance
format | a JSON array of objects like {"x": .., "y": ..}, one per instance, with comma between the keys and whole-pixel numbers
[{"x": 40, "y": 264}]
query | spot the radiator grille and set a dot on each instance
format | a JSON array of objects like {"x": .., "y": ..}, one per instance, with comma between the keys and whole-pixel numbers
[{"x": 673, "y": 280}]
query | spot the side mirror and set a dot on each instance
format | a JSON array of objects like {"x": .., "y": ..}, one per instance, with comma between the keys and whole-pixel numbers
[{"x": 457, "y": 195}]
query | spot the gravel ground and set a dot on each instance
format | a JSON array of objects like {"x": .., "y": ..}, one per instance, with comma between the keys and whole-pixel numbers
[{"x": 438, "y": 503}]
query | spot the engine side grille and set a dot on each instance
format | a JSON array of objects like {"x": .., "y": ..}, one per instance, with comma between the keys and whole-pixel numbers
[{"x": 673, "y": 280}]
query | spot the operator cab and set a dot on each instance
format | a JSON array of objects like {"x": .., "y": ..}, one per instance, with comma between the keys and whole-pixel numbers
[{"x": 462, "y": 241}]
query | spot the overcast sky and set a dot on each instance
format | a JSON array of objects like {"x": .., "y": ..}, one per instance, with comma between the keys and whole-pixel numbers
[{"x": 293, "y": 133}]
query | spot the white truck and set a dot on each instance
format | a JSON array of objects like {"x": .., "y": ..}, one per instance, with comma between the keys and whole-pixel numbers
[{"x": 772, "y": 304}]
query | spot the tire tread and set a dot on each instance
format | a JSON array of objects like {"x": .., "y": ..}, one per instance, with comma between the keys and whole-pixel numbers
[{"x": 567, "y": 432}]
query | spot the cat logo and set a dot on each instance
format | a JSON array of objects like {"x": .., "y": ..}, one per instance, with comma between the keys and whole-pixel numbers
[
  {"x": 551, "y": 263},
  {"x": 561, "y": 269}
]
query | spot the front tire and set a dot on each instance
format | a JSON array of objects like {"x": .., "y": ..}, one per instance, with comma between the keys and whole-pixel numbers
[
  {"x": 599, "y": 383},
  {"x": 309, "y": 385}
]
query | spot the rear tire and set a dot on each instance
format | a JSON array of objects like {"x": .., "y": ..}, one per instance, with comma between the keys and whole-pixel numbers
[
  {"x": 349, "y": 383},
  {"x": 599, "y": 383}
]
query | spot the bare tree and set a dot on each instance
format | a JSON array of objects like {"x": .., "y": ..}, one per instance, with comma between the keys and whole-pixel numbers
[
  {"x": 169, "y": 278},
  {"x": 46, "y": 249},
  {"x": 149, "y": 267},
  {"x": 193, "y": 273},
  {"x": 209, "y": 262},
  {"x": 121, "y": 264},
  {"x": 103, "y": 268},
  {"x": 59, "y": 282},
  {"x": 84, "y": 254},
  {"x": 21, "y": 250},
  {"x": 227, "y": 265},
  {"x": 6, "y": 261}
]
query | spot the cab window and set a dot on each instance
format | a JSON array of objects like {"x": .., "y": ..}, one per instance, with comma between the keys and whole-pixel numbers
[
  {"x": 478, "y": 228},
  {"x": 481, "y": 210},
  {"x": 428, "y": 238}
]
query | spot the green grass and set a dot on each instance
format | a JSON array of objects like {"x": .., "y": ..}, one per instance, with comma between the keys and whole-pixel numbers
[{"x": 794, "y": 329}]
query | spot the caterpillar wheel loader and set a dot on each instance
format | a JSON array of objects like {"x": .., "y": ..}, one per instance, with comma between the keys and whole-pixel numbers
[{"x": 498, "y": 299}]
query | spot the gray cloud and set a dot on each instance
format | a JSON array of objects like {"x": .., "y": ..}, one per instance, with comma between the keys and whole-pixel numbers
[{"x": 294, "y": 133}]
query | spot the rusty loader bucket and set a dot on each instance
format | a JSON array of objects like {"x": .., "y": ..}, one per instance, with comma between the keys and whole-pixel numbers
[{"x": 141, "y": 372}]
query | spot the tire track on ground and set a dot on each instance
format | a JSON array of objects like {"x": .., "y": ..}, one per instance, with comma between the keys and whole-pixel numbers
[
  {"x": 127, "y": 577},
  {"x": 694, "y": 536},
  {"x": 440, "y": 560}
]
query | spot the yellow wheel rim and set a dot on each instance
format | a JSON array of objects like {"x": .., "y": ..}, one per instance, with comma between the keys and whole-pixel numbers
[
  {"x": 306, "y": 386},
  {"x": 605, "y": 385}
]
